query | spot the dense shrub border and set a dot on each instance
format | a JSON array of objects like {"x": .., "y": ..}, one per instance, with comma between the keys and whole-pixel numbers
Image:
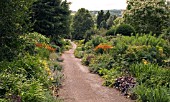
[
  {"x": 133, "y": 65},
  {"x": 31, "y": 76}
]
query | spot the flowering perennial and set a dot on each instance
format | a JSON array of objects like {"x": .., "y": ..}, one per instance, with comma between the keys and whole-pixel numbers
[
  {"x": 103, "y": 46},
  {"x": 46, "y": 46}
]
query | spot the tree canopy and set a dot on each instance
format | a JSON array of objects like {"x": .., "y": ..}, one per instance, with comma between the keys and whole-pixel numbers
[
  {"x": 82, "y": 21},
  {"x": 147, "y": 15},
  {"x": 14, "y": 21},
  {"x": 51, "y": 17},
  {"x": 14, "y": 16},
  {"x": 102, "y": 19}
]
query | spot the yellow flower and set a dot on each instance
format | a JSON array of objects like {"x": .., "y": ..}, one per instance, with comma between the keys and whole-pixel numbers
[
  {"x": 51, "y": 78},
  {"x": 144, "y": 61},
  {"x": 160, "y": 50},
  {"x": 49, "y": 72}
]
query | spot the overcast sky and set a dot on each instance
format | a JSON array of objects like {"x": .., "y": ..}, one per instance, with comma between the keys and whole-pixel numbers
[{"x": 97, "y": 4}]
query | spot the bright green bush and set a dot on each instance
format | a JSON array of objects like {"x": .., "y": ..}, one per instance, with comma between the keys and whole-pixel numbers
[
  {"x": 78, "y": 54},
  {"x": 87, "y": 59},
  {"x": 109, "y": 75},
  {"x": 158, "y": 94},
  {"x": 96, "y": 40},
  {"x": 125, "y": 29},
  {"x": 29, "y": 43},
  {"x": 151, "y": 74},
  {"x": 101, "y": 61},
  {"x": 135, "y": 48}
]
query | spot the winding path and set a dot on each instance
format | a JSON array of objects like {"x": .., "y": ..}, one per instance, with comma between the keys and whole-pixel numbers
[{"x": 81, "y": 86}]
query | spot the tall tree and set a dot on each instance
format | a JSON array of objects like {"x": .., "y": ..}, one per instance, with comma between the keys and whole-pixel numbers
[
  {"x": 107, "y": 15},
  {"x": 14, "y": 21},
  {"x": 110, "y": 22},
  {"x": 82, "y": 22},
  {"x": 100, "y": 18},
  {"x": 147, "y": 15},
  {"x": 14, "y": 16},
  {"x": 51, "y": 17}
]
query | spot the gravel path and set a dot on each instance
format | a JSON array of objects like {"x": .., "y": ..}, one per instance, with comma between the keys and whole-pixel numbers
[{"x": 81, "y": 86}]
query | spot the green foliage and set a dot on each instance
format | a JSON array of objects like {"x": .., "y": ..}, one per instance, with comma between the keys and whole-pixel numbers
[
  {"x": 166, "y": 34},
  {"x": 101, "y": 61},
  {"x": 79, "y": 52},
  {"x": 125, "y": 29},
  {"x": 109, "y": 75},
  {"x": 110, "y": 22},
  {"x": 102, "y": 19},
  {"x": 82, "y": 22},
  {"x": 88, "y": 35},
  {"x": 86, "y": 60},
  {"x": 51, "y": 17},
  {"x": 29, "y": 43},
  {"x": 135, "y": 48},
  {"x": 118, "y": 21},
  {"x": 111, "y": 32},
  {"x": 96, "y": 40},
  {"x": 151, "y": 75},
  {"x": 147, "y": 16},
  {"x": 14, "y": 17},
  {"x": 28, "y": 76},
  {"x": 14, "y": 21},
  {"x": 138, "y": 56},
  {"x": 158, "y": 94}
]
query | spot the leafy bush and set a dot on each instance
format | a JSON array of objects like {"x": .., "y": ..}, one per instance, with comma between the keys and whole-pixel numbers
[
  {"x": 87, "y": 59},
  {"x": 151, "y": 74},
  {"x": 109, "y": 75},
  {"x": 136, "y": 57},
  {"x": 158, "y": 94},
  {"x": 101, "y": 61},
  {"x": 125, "y": 29},
  {"x": 79, "y": 52},
  {"x": 111, "y": 32},
  {"x": 96, "y": 40},
  {"x": 30, "y": 40},
  {"x": 166, "y": 33},
  {"x": 101, "y": 48},
  {"x": 135, "y": 48},
  {"x": 28, "y": 76}
]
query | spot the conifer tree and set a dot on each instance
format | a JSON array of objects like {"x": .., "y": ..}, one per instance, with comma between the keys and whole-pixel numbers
[{"x": 51, "y": 17}]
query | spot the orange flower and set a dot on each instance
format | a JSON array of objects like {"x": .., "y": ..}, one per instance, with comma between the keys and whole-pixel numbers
[
  {"x": 39, "y": 45},
  {"x": 46, "y": 46},
  {"x": 103, "y": 46}
]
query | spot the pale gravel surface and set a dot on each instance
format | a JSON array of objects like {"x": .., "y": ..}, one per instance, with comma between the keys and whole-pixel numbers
[{"x": 81, "y": 86}]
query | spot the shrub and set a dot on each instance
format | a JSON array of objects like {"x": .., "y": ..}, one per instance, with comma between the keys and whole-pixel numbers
[
  {"x": 87, "y": 59},
  {"x": 150, "y": 74},
  {"x": 166, "y": 33},
  {"x": 96, "y": 40},
  {"x": 125, "y": 29},
  {"x": 101, "y": 61},
  {"x": 101, "y": 48},
  {"x": 158, "y": 94},
  {"x": 111, "y": 32},
  {"x": 30, "y": 42}
]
